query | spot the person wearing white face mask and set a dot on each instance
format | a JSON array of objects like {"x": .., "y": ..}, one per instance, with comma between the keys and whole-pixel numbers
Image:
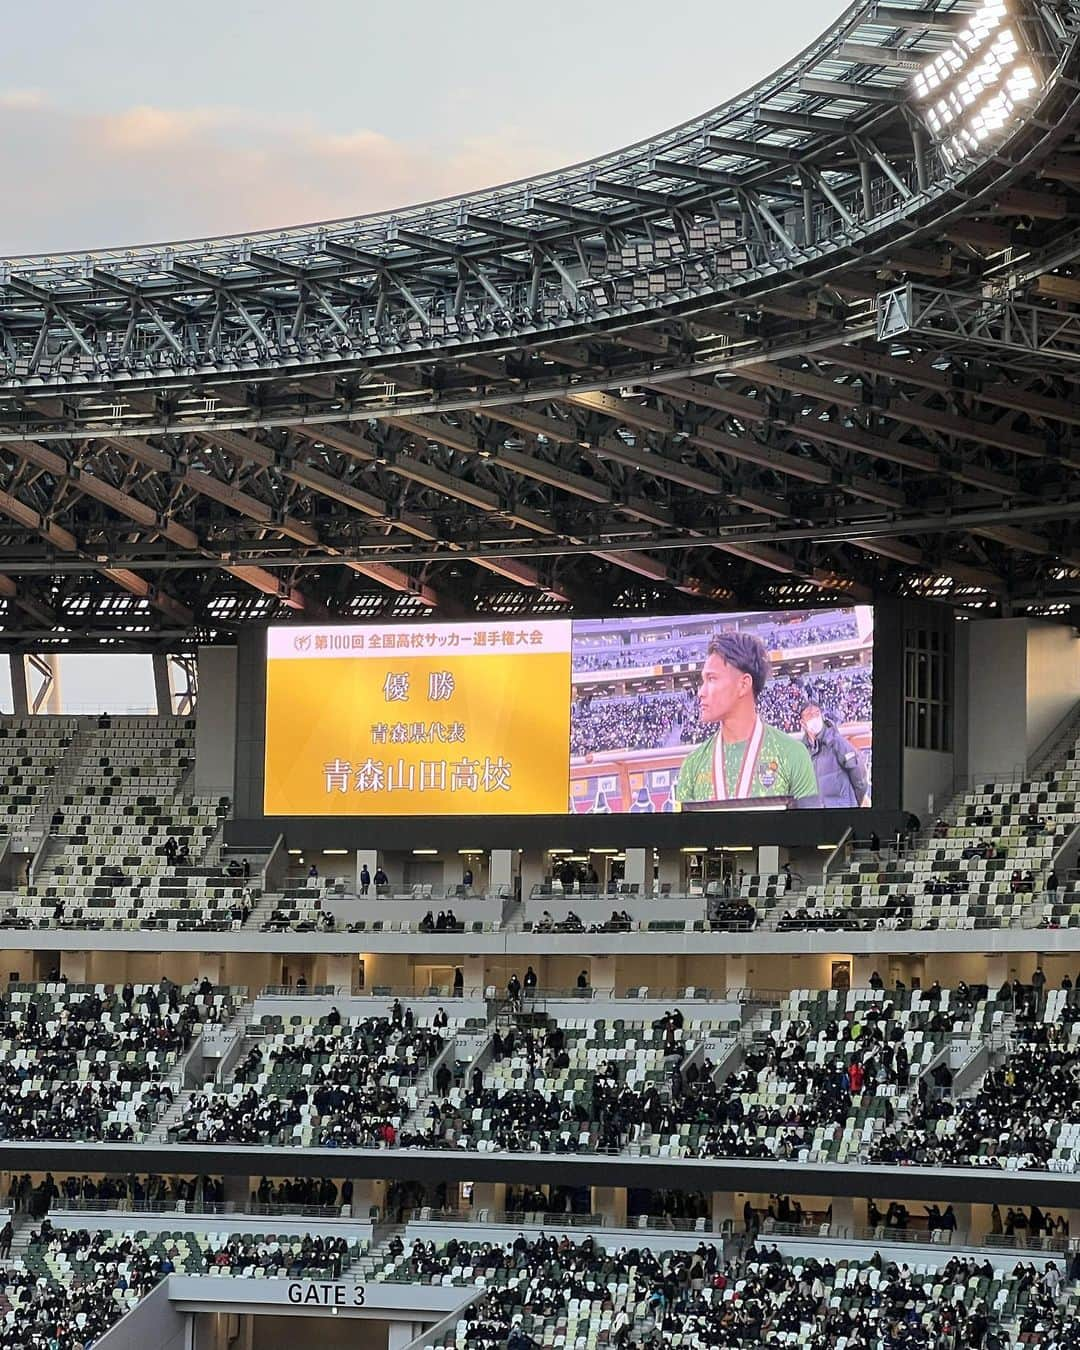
[{"x": 838, "y": 766}]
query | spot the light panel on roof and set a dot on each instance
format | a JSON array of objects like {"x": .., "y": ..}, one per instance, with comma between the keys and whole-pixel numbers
[{"x": 973, "y": 90}]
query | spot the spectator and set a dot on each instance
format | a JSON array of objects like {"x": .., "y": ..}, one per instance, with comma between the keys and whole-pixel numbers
[{"x": 838, "y": 767}]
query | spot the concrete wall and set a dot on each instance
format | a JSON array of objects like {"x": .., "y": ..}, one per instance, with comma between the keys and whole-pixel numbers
[
  {"x": 927, "y": 773},
  {"x": 215, "y": 725},
  {"x": 997, "y": 698},
  {"x": 1053, "y": 678},
  {"x": 1023, "y": 679},
  {"x": 153, "y": 1322}
]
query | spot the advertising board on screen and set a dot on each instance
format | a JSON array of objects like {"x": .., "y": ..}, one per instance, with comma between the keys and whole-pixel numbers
[{"x": 765, "y": 711}]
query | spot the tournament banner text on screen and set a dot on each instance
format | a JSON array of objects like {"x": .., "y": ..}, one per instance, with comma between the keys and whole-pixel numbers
[
  {"x": 426, "y": 719},
  {"x": 759, "y": 710}
]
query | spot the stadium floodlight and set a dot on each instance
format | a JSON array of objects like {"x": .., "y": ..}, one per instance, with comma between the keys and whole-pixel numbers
[{"x": 975, "y": 88}]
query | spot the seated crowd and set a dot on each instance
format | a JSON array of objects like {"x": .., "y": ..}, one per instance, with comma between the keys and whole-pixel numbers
[
  {"x": 694, "y": 1299},
  {"x": 332, "y": 1083},
  {"x": 92, "y": 1062},
  {"x": 1026, "y": 1112}
]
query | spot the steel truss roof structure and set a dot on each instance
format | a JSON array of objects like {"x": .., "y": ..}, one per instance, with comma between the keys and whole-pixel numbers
[{"x": 791, "y": 351}]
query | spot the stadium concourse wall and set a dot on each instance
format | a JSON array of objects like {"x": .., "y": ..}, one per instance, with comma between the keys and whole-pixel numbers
[{"x": 251, "y": 828}]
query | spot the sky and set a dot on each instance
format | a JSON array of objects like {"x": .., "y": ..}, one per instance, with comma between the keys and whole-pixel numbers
[{"x": 124, "y": 123}]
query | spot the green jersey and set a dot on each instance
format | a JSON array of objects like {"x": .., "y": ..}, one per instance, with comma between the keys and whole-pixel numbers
[{"x": 781, "y": 768}]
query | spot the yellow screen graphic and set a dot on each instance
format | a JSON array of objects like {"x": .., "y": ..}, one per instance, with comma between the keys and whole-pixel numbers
[{"x": 436, "y": 728}]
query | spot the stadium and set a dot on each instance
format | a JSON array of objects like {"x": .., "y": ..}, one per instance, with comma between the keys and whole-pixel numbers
[{"x": 603, "y": 868}]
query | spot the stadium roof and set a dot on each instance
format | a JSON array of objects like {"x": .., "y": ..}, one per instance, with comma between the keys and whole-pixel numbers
[{"x": 820, "y": 343}]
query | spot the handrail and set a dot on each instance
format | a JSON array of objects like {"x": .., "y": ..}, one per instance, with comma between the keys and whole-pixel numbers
[
  {"x": 65, "y": 765},
  {"x": 841, "y": 847},
  {"x": 1050, "y": 742},
  {"x": 272, "y": 862},
  {"x": 125, "y": 1205},
  {"x": 1066, "y": 853},
  {"x": 436, "y": 1334},
  {"x": 512, "y": 1218}
]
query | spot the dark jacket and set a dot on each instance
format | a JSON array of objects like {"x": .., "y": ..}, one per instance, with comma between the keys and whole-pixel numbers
[{"x": 838, "y": 767}]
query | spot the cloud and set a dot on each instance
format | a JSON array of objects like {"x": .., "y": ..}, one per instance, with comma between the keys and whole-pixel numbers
[
  {"x": 22, "y": 98},
  {"x": 149, "y": 174}
]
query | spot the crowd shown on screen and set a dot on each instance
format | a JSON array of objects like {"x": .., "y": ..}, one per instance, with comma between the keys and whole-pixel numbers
[
  {"x": 655, "y": 721},
  {"x": 591, "y": 654}
]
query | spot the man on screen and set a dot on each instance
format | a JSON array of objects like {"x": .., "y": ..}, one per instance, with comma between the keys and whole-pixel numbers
[
  {"x": 838, "y": 766},
  {"x": 744, "y": 757}
]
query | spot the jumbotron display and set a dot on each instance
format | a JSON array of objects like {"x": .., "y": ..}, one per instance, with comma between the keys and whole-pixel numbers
[{"x": 699, "y": 712}]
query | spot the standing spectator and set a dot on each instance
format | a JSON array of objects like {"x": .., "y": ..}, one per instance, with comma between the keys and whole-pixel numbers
[
  {"x": 459, "y": 982},
  {"x": 513, "y": 989},
  {"x": 530, "y": 982},
  {"x": 467, "y": 878},
  {"x": 838, "y": 767},
  {"x": 583, "y": 983},
  {"x": 381, "y": 880},
  {"x": 7, "y": 1234},
  {"x": 365, "y": 879}
]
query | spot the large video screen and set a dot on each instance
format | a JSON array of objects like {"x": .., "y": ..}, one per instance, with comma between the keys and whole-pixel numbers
[{"x": 703, "y": 712}]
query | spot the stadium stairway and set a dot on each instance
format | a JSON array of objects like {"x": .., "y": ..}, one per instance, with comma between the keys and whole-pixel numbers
[
  {"x": 23, "y": 1224},
  {"x": 995, "y": 812},
  {"x": 370, "y": 1262}
]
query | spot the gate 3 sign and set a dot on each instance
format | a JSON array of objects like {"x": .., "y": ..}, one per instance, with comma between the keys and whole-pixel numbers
[{"x": 325, "y": 1294}]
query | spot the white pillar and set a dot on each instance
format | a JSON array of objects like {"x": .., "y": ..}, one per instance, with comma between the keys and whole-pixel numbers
[
  {"x": 997, "y": 972},
  {"x": 340, "y": 971},
  {"x": 602, "y": 974},
  {"x": 533, "y": 871},
  {"x": 769, "y": 860},
  {"x": 639, "y": 869},
  {"x": 367, "y": 1192},
  {"x": 401, "y": 1334},
  {"x": 722, "y": 1210},
  {"x": 501, "y": 869},
  {"x": 963, "y": 1220},
  {"x": 369, "y": 858},
  {"x": 473, "y": 970},
  {"x": 490, "y": 1195},
  {"x": 735, "y": 970},
  {"x": 609, "y": 1202},
  {"x": 73, "y": 965},
  {"x": 20, "y": 692},
  {"x": 162, "y": 684},
  {"x": 843, "y": 1214},
  {"x": 208, "y": 967},
  {"x": 671, "y": 869}
]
